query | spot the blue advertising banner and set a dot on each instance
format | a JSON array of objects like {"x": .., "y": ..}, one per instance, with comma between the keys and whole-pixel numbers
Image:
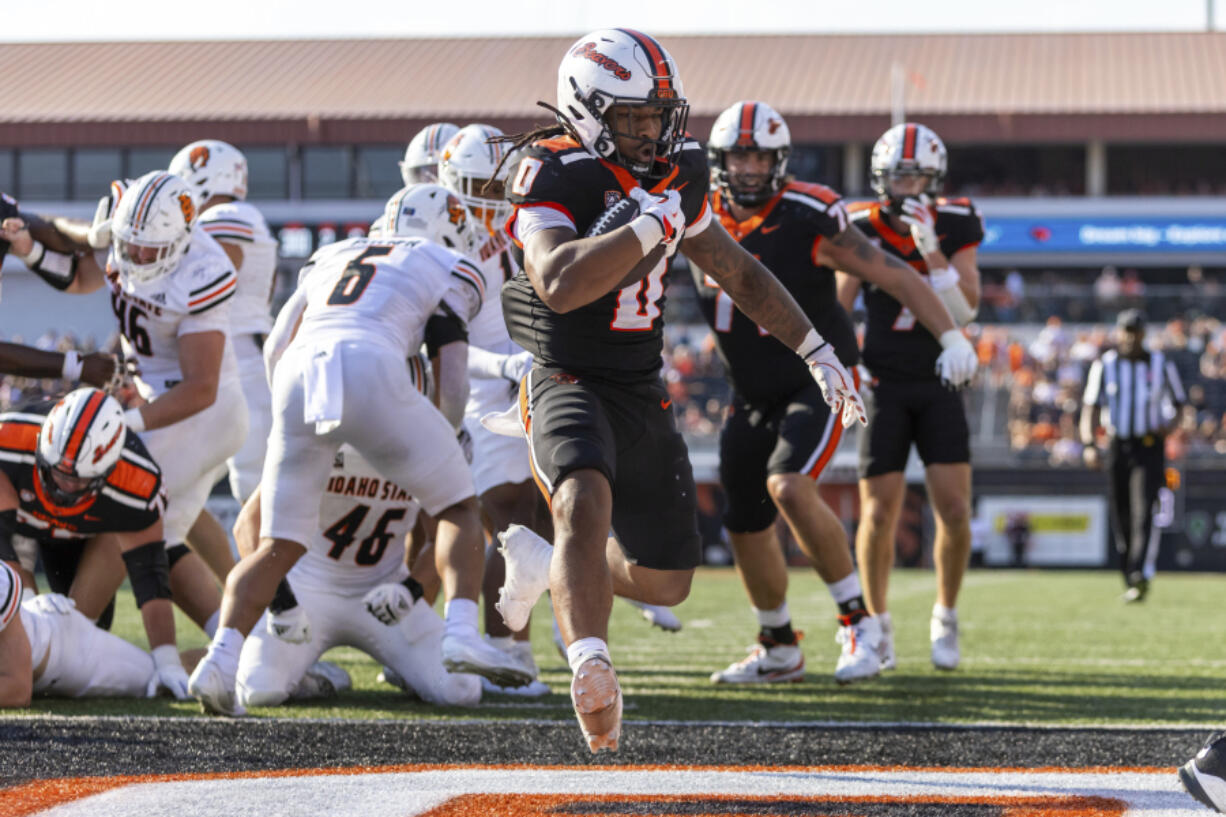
[{"x": 1104, "y": 235}]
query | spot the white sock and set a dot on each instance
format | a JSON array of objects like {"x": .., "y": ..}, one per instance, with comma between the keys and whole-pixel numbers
[
  {"x": 460, "y": 614},
  {"x": 944, "y": 613},
  {"x": 773, "y": 618},
  {"x": 887, "y": 623},
  {"x": 226, "y": 647},
  {"x": 846, "y": 588},
  {"x": 210, "y": 626},
  {"x": 586, "y": 648}
]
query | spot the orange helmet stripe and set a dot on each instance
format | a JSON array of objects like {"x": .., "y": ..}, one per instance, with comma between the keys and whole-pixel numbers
[
  {"x": 81, "y": 427},
  {"x": 149, "y": 193},
  {"x": 908, "y": 142},
  {"x": 748, "y": 111},
  {"x": 655, "y": 53}
]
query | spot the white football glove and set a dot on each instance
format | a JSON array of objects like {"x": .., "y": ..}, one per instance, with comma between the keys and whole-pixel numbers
[
  {"x": 957, "y": 365},
  {"x": 168, "y": 673},
  {"x": 53, "y": 603},
  {"x": 943, "y": 279},
  {"x": 838, "y": 387},
  {"x": 290, "y": 625},
  {"x": 514, "y": 367},
  {"x": 920, "y": 217},
  {"x": 665, "y": 209},
  {"x": 389, "y": 602}
]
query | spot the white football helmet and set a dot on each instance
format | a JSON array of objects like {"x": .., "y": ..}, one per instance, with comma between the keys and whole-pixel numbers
[
  {"x": 79, "y": 445},
  {"x": 433, "y": 212},
  {"x": 749, "y": 126},
  {"x": 212, "y": 168},
  {"x": 425, "y": 149},
  {"x": 618, "y": 66},
  {"x": 467, "y": 163},
  {"x": 909, "y": 149},
  {"x": 152, "y": 226}
]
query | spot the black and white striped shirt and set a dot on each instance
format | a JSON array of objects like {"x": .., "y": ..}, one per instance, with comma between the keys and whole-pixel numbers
[{"x": 1140, "y": 395}]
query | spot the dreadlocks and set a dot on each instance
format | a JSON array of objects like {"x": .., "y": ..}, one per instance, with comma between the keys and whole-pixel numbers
[{"x": 518, "y": 140}]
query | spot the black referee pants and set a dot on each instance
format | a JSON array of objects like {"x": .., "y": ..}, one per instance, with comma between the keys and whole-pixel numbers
[{"x": 1137, "y": 471}]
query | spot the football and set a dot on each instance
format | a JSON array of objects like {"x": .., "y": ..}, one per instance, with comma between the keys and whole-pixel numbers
[{"x": 620, "y": 214}]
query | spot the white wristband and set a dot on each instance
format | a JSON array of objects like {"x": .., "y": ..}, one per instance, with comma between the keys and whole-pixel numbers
[
  {"x": 166, "y": 655},
  {"x": 648, "y": 231},
  {"x": 35, "y": 254},
  {"x": 72, "y": 365},
  {"x": 810, "y": 344},
  {"x": 943, "y": 279},
  {"x": 134, "y": 419},
  {"x": 953, "y": 337}
]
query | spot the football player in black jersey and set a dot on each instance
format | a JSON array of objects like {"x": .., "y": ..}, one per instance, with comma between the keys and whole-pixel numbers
[
  {"x": 604, "y": 443},
  {"x": 780, "y": 434},
  {"x": 911, "y": 402},
  {"x": 70, "y": 470}
]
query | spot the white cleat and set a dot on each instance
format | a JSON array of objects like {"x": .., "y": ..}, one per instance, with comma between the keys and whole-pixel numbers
[
  {"x": 469, "y": 653},
  {"x": 522, "y": 652},
  {"x": 527, "y": 556},
  {"x": 658, "y": 616},
  {"x": 767, "y": 663},
  {"x": 214, "y": 688},
  {"x": 885, "y": 649},
  {"x": 323, "y": 679},
  {"x": 944, "y": 635},
  {"x": 859, "y": 658},
  {"x": 597, "y": 697}
]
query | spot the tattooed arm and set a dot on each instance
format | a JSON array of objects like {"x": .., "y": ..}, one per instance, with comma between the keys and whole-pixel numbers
[
  {"x": 851, "y": 252},
  {"x": 751, "y": 285}
]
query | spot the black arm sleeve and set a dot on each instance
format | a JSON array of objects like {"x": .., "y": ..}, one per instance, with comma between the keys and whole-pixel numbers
[
  {"x": 8, "y": 524},
  {"x": 444, "y": 329}
]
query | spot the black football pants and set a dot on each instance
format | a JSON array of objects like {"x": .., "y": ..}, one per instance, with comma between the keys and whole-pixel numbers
[{"x": 1137, "y": 471}]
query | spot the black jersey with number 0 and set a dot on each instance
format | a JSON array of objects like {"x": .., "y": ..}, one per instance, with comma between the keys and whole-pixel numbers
[
  {"x": 619, "y": 336},
  {"x": 130, "y": 500},
  {"x": 784, "y": 235},
  {"x": 896, "y": 345}
]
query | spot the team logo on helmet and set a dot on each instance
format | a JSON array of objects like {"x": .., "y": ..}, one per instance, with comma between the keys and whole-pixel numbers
[
  {"x": 588, "y": 51},
  {"x": 187, "y": 207},
  {"x": 773, "y": 125},
  {"x": 199, "y": 157},
  {"x": 456, "y": 211},
  {"x": 101, "y": 450}
]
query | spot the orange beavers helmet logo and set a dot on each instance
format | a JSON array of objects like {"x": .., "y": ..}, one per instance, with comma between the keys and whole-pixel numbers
[
  {"x": 772, "y": 125},
  {"x": 188, "y": 208},
  {"x": 588, "y": 51},
  {"x": 455, "y": 211},
  {"x": 199, "y": 157}
]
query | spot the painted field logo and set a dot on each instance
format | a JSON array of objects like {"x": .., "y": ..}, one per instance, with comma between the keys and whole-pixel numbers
[{"x": 546, "y": 805}]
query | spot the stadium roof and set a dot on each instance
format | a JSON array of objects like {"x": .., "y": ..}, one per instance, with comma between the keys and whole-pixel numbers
[{"x": 974, "y": 87}]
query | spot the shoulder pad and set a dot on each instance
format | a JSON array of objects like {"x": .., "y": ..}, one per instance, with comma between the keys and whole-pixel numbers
[
  {"x": 820, "y": 192},
  {"x": 206, "y": 278},
  {"x": 860, "y": 209}
]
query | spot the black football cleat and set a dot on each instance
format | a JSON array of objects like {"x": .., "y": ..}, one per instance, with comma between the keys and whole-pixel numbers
[{"x": 1204, "y": 776}]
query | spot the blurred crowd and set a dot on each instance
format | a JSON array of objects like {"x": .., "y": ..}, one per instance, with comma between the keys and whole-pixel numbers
[{"x": 1045, "y": 379}]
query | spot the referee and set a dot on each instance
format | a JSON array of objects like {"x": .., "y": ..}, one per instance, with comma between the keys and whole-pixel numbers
[{"x": 1142, "y": 394}]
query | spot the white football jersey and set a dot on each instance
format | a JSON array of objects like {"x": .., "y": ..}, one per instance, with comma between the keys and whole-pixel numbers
[
  {"x": 10, "y": 594},
  {"x": 241, "y": 223},
  {"x": 383, "y": 290},
  {"x": 364, "y": 519},
  {"x": 38, "y": 632},
  {"x": 488, "y": 330},
  {"x": 154, "y": 314}
]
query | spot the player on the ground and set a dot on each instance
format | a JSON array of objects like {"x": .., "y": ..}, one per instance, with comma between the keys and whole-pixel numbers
[
  {"x": 48, "y": 648},
  {"x": 217, "y": 174},
  {"x": 70, "y": 470},
  {"x": 171, "y": 286},
  {"x": 360, "y": 312},
  {"x": 604, "y": 443},
  {"x": 912, "y": 401},
  {"x": 780, "y": 434},
  {"x": 354, "y": 590},
  {"x": 421, "y": 157}
]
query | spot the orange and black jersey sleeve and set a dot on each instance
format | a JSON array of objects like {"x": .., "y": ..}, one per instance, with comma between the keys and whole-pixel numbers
[
  {"x": 618, "y": 336},
  {"x": 132, "y": 498},
  {"x": 785, "y": 236},
  {"x": 896, "y": 345}
]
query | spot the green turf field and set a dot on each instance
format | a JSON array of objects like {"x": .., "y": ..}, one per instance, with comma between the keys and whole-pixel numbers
[{"x": 1038, "y": 647}]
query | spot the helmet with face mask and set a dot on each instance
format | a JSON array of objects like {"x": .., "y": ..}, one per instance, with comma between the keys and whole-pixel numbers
[
  {"x": 908, "y": 150},
  {"x": 152, "y": 226},
  {"x": 433, "y": 212},
  {"x": 81, "y": 441},
  {"x": 420, "y": 164},
  {"x": 468, "y": 163},
  {"x": 749, "y": 127}
]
